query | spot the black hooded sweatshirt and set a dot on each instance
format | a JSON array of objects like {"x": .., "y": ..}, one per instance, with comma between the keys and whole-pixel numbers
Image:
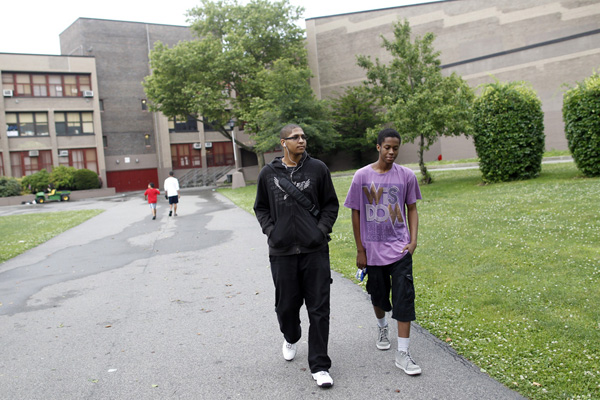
[{"x": 290, "y": 228}]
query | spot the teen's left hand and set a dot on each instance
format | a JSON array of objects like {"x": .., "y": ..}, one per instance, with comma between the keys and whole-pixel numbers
[{"x": 411, "y": 247}]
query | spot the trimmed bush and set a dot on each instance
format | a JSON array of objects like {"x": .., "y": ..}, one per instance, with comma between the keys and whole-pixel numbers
[
  {"x": 9, "y": 186},
  {"x": 62, "y": 177},
  {"x": 84, "y": 179},
  {"x": 509, "y": 132},
  {"x": 37, "y": 182},
  {"x": 581, "y": 114}
]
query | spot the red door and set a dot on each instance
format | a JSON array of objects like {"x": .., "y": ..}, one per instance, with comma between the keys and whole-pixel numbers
[{"x": 130, "y": 180}]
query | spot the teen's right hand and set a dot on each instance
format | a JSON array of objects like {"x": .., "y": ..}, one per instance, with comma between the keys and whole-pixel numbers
[{"x": 361, "y": 259}]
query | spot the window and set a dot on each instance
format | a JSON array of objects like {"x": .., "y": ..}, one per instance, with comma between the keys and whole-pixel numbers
[
  {"x": 46, "y": 85},
  {"x": 147, "y": 140},
  {"x": 104, "y": 141},
  {"x": 183, "y": 124},
  {"x": 26, "y": 124},
  {"x": 221, "y": 153},
  {"x": 185, "y": 156},
  {"x": 23, "y": 164},
  {"x": 144, "y": 105},
  {"x": 80, "y": 159},
  {"x": 1, "y": 165},
  {"x": 40, "y": 85},
  {"x": 74, "y": 123}
]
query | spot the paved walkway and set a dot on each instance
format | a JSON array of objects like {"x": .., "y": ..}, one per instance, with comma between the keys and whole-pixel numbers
[{"x": 123, "y": 307}]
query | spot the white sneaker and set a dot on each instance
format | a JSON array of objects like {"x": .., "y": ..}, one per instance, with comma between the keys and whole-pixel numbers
[
  {"x": 289, "y": 350},
  {"x": 323, "y": 379}
]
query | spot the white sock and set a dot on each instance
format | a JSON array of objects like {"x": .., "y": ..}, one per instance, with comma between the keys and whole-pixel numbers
[
  {"x": 382, "y": 322},
  {"x": 403, "y": 344}
]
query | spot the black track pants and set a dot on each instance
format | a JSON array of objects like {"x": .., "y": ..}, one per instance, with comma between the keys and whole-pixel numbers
[{"x": 298, "y": 279}]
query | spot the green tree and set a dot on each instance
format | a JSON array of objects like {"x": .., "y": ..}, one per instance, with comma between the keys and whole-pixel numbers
[
  {"x": 420, "y": 102},
  {"x": 215, "y": 77},
  {"x": 581, "y": 110},
  {"x": 509, "y": 132},
  {"x": 288, "y": 98},
  {"x": 354, "y": 117}
]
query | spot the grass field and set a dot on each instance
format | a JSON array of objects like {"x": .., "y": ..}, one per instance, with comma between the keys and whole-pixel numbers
[
  {"x": 23, "y": 232},
  {"x": 507, "y": 274}
]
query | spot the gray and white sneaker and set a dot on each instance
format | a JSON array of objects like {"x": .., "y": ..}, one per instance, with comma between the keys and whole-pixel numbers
[
  {"x": 405, "y": 362},
  {"x": 289, "y": 350},
  {"x": 383, "y": 342}
]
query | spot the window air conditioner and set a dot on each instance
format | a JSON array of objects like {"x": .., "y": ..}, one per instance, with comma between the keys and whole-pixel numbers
[
  {"x": 34, "y": 153},
  {"x": 63, "y": 153},
  {"x": 197, "y": 146},
  {"x": 88, "y": 93},
  {"x": 208, "y": 145},
  {"x": 7, "y": 92}
]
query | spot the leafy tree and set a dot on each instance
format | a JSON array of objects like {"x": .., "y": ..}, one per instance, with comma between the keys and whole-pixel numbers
[
  {"x": 581, "y": 106},
  {"x": 37, "y": 182},
  {"x": 288, "y": 98},
  {"x": 355, "y": 115},
  {"x": 509, "y": 132},
  {"x": 215, "y": 77},
  {"x": 418, "y": 100}
]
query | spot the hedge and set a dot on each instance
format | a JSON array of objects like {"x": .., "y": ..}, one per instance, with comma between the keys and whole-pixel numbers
[
  {"x": 509, "y": 132},
  {"x": 581, "y": 115}
]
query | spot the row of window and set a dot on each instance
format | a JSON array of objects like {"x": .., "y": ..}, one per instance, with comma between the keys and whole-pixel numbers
[
  {"x": 185, "y": 156},
  {"x": 46, "y": 85},
  {"x": 24, "y": 163},
  {"x": 36, "y": 124},
  {"x": 190, "y": 124}
]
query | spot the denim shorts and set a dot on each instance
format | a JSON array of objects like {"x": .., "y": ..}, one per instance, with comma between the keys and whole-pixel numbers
[{"x": 398, "y": 278}]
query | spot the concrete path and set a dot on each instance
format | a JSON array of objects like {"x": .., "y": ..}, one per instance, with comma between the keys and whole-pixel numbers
[{"x": 123, "y": 307}]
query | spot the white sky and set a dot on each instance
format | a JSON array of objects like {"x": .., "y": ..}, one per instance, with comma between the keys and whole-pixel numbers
[{"x": 33, "y": 27}]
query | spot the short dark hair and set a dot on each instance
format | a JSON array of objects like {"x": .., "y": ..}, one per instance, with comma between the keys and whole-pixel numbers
[
  {"x": 171, "y": 173},
  {"x": 287, "y": 130},
  {"x": 151, "y": 184},
  {"x": 387, "y": 132}
]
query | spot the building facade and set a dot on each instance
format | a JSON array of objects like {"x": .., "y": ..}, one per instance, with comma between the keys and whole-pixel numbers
[
  {"x": 142, "y": 146},
  {"x": 548, "y": 43},
  {"x": 49, "y": 114}
]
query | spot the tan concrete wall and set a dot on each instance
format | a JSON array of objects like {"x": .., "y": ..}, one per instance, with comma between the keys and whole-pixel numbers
[{"x": 465, "y": 30}]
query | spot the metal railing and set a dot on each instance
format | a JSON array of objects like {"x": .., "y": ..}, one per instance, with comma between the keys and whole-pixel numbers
[{"x": 199, "y": 177}]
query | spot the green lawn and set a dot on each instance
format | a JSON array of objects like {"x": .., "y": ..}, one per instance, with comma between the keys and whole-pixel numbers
[
  {"x": 507, "y": 274},
  {"x": 23, "y": 232}
]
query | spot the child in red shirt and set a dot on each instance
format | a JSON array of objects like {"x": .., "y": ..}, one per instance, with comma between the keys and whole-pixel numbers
[{"x": 152, "y": 195}]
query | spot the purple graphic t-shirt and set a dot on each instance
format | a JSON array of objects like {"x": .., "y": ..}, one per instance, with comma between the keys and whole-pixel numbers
[{"x": 381, "y": 200}]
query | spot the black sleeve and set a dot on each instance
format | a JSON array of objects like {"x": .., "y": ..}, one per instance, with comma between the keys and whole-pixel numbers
[
  {"x": 328, "y": 203},
  {"x": 262, "y": 205}
]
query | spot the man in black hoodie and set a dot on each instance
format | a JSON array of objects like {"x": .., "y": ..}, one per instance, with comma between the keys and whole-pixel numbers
[{"x": 297, "y": 221}]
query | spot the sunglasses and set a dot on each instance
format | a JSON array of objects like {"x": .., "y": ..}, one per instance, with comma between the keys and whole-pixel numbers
[{"x": 295, "y": 138}]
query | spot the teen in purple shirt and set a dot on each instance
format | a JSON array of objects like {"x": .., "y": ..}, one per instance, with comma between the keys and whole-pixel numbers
[{"x": 383, "y": 198}]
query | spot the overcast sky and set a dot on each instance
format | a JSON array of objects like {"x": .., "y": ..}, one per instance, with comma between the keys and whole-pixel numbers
[{"x": 33, "y": 26}]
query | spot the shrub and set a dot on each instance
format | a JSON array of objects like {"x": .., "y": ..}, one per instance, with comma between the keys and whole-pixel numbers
[
  {"x": 85, "y": 179},
  {"x": 62, "y": 177},
  {"x": 581, "y": 114},
  {"x": 509, "y": 132},
  {"x": 37, "y": 182},
  {"x": 9, "y": 186}
]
